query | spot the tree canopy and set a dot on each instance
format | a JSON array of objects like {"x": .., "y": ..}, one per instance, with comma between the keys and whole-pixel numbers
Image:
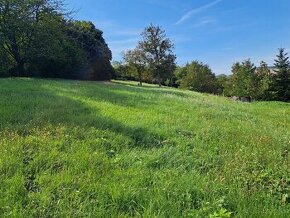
[
  {"x": 158, "y": 51},
  {"x": 197, "y": 76},
  {"x": 282, "y": 77},
  {"x": 243, "y": 79},
  {"x": 136, "y": 58},
  {"x": 38, "y": 39}
]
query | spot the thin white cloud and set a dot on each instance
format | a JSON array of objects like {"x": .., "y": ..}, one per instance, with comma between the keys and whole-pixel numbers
[
  {"x": 194, "y": 11},
  {"x": 203, "y": 22}
]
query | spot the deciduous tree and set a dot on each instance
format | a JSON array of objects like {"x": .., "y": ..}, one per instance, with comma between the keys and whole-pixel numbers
[
  {"x": 243, "y": 79},
  {"x": 98, "y": 54},
  {"x": 21, "y": 23},
  {"x": 263, "y": 81},
  {"x": 158, "y": 51},
  {"x": 198, "y": 77},
  {"x": 136, "y": 58}
]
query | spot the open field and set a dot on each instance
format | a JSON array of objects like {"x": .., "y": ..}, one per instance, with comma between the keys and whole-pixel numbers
[{"x": 86, "y": 149}]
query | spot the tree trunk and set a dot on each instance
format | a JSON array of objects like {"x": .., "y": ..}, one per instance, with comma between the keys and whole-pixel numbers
[
  {"x": 159, "y": 82},
  {"x": 140, "y": 77},
  {"x": 140, "y": 80},
  {"x": 159, "y": 79}
]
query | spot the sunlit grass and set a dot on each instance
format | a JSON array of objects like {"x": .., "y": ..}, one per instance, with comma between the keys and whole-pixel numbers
[{"x": 86, "y": 149}]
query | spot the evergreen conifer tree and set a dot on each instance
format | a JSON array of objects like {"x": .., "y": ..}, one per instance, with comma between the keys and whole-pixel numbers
[{"x": 282, "y": 78}]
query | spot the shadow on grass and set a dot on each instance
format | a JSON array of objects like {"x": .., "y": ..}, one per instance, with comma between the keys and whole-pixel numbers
[
  {"x": 113, "y": 93},
  {"x": 41, "y": 103},
  {"x": 128, "y": 95}
]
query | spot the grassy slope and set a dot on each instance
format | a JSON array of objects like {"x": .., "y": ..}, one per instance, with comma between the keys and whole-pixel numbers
[{"x": 77, "y": 149}]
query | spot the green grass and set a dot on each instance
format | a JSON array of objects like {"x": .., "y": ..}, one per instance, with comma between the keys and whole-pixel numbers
[{"x": 87, "y": 149}]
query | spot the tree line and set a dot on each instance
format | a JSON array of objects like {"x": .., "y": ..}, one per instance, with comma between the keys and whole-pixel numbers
[
  {"x": 246, "y": 81},
  {"x": 38, "y": 39},
  {"x": 153, "y": 61}
]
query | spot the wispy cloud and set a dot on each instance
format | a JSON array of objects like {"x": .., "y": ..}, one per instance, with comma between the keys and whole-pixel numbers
[
  {"x": 204, "y": 22},
  {"x": 194, "y": 11}
]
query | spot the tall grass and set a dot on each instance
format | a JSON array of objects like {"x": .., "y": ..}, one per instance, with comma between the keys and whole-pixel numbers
[{"x": 86, "y": 149}]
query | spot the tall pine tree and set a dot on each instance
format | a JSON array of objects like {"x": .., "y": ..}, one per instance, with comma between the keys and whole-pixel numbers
[{"x": 282, "y": 78}]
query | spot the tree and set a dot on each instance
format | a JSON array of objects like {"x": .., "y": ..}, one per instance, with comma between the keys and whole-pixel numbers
[
  {"x": 98, "y": 66},
  {"x": 136, "y": 59},
  {"x": 158, "y": 51},
  {"x": 37, "y": 39},
  {"x": 61, "y": 57},
  {"x": 21, "y": 23},
  {"x": 198, "y": 77},
  {"x": 228, "y": 87},
  {"x": 282, "y": 78},
  {"x": 179, "y": 73},
  {"x": 222, "y": 82},
  {"x": 5, "y": 63},
  {"x": 120, "y": 70},
  {"x": 243, "y": 79},
  {"x": 263, "y": 80}
]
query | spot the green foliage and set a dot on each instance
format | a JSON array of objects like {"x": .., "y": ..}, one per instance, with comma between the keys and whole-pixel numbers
[
  {"x": 37, "y": 40},
  {"x": 63, "y": 56},
  {"x": 259, "y": 83},
  {"x": 197, "y": 76},
  {"x": 125, "y": 71},
  {"x": 180, "y": 72},
  {"x": 263, "y": 83},
  {"x": 222, "y": 213},
  {"x": 151, "y": 61},
  {"x": 222, "y": 82},
  {"x": 214, "y": 209},
  {"x": 82, "y": 149},
  {"x": 243, "y": 79},
  {"x": 120, "y": 70},
  {"x": 282, "y": 78},
  {"x": 97, "y": 51},
  {"x": 158, "y": 50},
  {"x": 22, "y": 25},
  {"x": 136, "y": 59},
  {"x": 5, "y": 63}
]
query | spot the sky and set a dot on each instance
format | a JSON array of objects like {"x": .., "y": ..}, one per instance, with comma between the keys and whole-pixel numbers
[{"x": 216, "y": 32}]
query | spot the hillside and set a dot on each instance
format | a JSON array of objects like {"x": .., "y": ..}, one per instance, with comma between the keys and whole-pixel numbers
[{"x": 86, "y": 149}]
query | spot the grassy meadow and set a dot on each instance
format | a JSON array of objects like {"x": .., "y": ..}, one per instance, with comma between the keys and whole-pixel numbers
[{"x": 89, "y": 149}]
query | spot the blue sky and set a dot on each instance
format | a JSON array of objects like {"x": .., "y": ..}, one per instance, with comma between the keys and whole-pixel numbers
[{"x": 217, "y": 32}]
